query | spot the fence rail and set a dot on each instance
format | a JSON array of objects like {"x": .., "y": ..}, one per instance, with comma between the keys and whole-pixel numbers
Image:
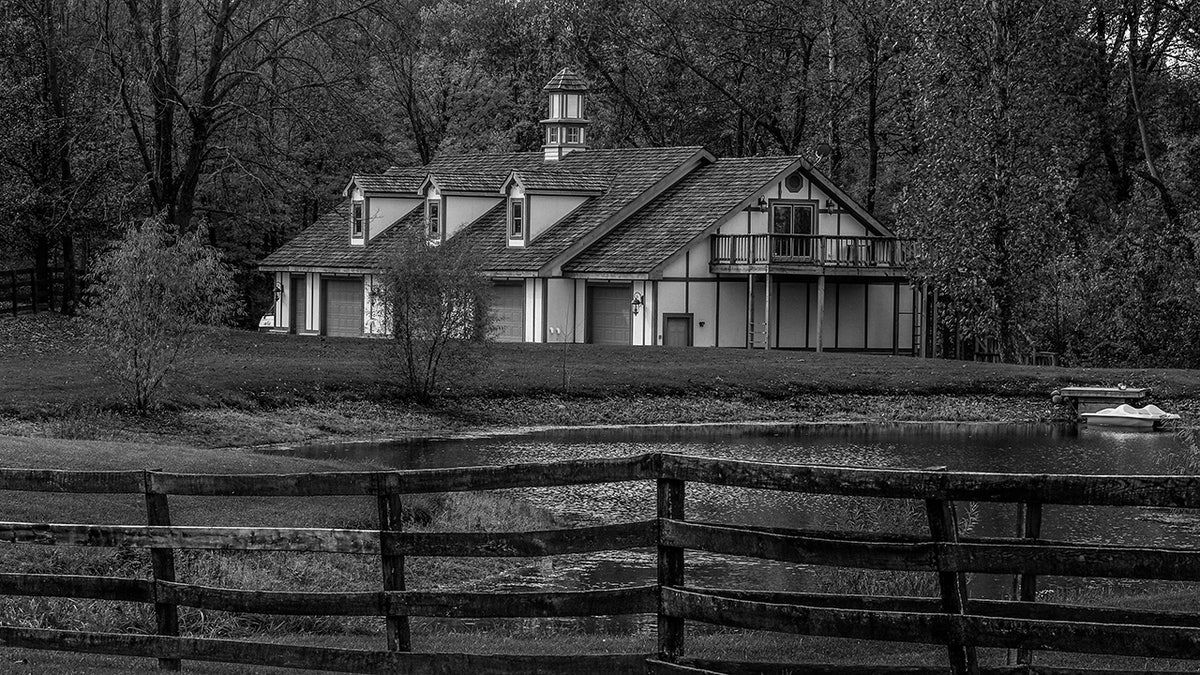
[
  {"x": 25, "y": 290},
  {"x": 960, "y": 623}
]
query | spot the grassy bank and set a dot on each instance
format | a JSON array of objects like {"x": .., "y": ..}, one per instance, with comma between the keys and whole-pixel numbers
[{"x": 254, "y": 388}]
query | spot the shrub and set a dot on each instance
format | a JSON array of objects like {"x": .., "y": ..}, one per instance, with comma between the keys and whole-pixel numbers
[
  {"x": 435, "y": 300},
  {"x": 151, "y": 298}
]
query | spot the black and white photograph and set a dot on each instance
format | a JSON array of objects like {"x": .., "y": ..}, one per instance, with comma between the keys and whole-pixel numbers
[{"x": 625, "y": 337}]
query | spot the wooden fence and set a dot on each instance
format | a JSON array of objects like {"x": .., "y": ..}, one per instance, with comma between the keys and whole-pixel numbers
[
  {"x": 959, "y": 623},
  {"x": 25, "y": 291}
]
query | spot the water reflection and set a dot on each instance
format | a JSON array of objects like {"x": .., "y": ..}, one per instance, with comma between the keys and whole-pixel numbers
[{"x": 1025, "y": 448}]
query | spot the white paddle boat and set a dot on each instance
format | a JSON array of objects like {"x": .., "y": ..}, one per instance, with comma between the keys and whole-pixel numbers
[{"x": 1125, "y": 415}]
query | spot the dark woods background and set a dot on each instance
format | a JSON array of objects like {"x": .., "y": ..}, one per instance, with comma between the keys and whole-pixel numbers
[{"x": 1046, "y": 154}]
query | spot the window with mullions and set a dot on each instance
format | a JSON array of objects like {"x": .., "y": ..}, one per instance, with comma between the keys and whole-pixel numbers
[
  {"x": 516, "y": 219},
  {"x": 356, "y": 220},
  {"x": 573, "y": 135},
  {"x": 435, "y": 217},
  {"x": 793, "y": 224}
]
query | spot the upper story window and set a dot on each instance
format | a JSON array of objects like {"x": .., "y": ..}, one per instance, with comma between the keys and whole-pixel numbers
[
  {"x": 434, "y": 215},
  {"x": 574, "y": 105},
  {"x": 573, "y": 135},
  {"x": 356, "y": 219},
  {"x": 516, "y": 219},
  {"x": 797, "y": 222}
]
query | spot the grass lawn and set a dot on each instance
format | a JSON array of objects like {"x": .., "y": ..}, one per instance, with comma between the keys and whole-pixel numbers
[{"x": 251, "y": 388}]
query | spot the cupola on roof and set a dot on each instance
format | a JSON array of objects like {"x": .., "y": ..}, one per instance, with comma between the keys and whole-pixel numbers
[{"x": 565, "y": 127}]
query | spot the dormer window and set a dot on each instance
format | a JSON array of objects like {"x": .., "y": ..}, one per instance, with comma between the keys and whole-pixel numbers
[
  {"x": 552, "y": 135},
  {"x": 573, "y": 134},
  {"x": 434, "y": 215},
  {"x": 516, "y": 219},
  {"x": 356, "y": 219}
]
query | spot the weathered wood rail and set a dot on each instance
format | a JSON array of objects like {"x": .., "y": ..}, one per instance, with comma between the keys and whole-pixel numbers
[
  {"x": 960, "y": 623},
  {"x": 24, "y": 290}
]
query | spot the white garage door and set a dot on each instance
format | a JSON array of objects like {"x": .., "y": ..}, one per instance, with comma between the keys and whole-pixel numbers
[
  {"x": 608, "y": 315},
  {"x": 508, "y": 312},
  {"x": 344, "y": 307}
]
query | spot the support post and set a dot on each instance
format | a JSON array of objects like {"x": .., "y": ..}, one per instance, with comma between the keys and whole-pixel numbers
[
  {"x": 1029, "y": 525},
  {"x": 767, "y": 314},
  {"x": 670, "y": 569},
  {"x": 821, "y": 313},
  {"x": 896, "y": 319},
  {"x": 12, "y": 289},
  {"x": 953, "y": 585},
  {"x": 390, "y": 511},
  {"x": 749, "y": 311},
  {"x": 162, "y": 563}
]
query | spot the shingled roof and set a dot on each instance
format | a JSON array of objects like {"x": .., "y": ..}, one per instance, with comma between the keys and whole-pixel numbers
[
  {"x": 326, "y": 244},
  {"x": 457, "y": 181},
  {"x": 566, "y": 80},
  {"x": 699, "y": 201},
  {"x": 631, "y": 174},
  {"x": 405, "y": 182},
  {"x": 634, "y": 171},
  {"x": 563, "y": 181}
]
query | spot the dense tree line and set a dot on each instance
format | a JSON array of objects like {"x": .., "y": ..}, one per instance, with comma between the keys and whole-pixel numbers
[{"x": 1044, "y": 154}]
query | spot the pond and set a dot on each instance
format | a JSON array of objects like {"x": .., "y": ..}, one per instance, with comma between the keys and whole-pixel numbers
[{"x": 1017, "y": 448}]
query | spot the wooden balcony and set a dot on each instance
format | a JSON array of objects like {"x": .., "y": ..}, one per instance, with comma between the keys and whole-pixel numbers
[{"x": 808, "y": 254}]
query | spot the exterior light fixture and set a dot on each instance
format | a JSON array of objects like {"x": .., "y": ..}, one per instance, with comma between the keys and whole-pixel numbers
[{"x": 637, "y": 303}]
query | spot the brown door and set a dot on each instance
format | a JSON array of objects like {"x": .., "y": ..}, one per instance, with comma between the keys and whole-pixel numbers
[
  {"x": 609, "y": 315},
  {"x": 299, "y": 303},
  {"x": 677, "y": 330},
  {"x": 344, "y": 307}
]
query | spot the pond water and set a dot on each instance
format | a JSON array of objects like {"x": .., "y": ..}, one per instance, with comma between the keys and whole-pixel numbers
[{"x": 1017, "y": 448}]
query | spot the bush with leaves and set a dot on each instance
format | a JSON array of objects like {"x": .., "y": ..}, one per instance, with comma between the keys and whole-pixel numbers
[
  {"x": 435, "y": 300},
  {"x": 152, "y": 298}
]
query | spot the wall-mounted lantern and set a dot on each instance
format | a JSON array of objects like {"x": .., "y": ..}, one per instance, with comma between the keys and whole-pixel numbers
[{"x": 637, "y": 303}]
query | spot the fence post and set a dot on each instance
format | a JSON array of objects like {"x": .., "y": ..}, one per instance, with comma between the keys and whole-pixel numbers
[
  {"x": 1029, "y": 517},
  {"x": 162, "y": 562},
  {"x": 670, "y": 569},
  {"x": 12, "y": 279},
  {"x": 953, "y": 585},
  {"x": 390, "y": 510}
]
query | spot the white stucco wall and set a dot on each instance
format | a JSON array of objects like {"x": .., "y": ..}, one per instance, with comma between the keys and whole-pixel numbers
[
  {"x": 374, "y": 310},
  {"x": 543, "y": 211},
  {"x": 383, "y": 212},
  {"x": 461, "y": 211},
  {"x": 642, "y": 326},
  {"x": 732, "y": 329},
  {"x": 561, "y": 310}
]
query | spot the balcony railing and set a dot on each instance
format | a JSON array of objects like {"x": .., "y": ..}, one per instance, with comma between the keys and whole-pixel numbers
[{"x": 808, "y": 249}]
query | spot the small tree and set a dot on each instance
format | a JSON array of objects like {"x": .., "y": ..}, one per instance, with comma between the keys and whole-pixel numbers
[
  {"x": 151, "y": 298},
  {"x": 435, "y": 299}
]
